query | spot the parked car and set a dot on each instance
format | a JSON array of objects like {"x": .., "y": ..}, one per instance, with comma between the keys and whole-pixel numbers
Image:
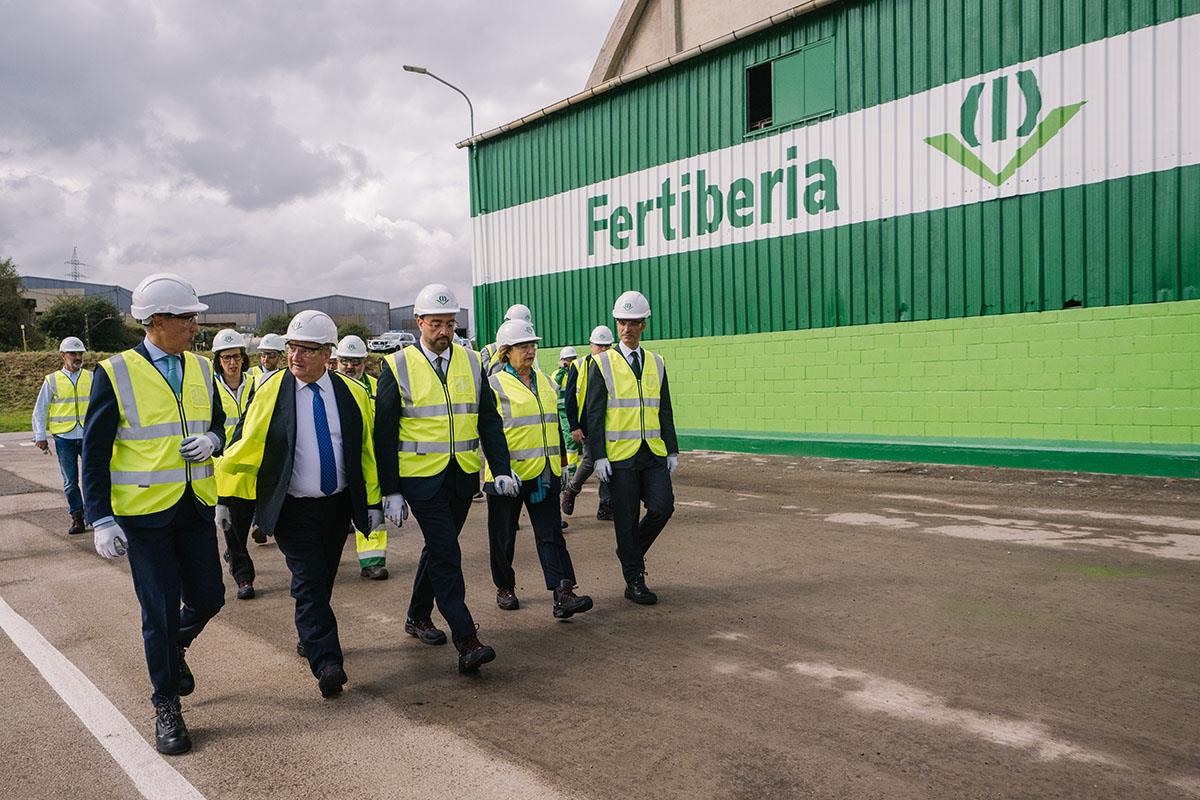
[{"x": 391, "y": 341}]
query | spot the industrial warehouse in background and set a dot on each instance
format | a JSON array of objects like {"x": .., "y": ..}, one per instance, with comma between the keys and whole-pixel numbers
[{"x": 891, "y": 229}]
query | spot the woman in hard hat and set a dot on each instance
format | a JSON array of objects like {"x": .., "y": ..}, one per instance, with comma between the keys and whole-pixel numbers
[
  {"x": 527, "y": 401},
  {"x": 230, "y": 363}
]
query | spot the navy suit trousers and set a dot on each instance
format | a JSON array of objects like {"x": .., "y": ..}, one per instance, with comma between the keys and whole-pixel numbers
[{"x": 439, "y": 570}]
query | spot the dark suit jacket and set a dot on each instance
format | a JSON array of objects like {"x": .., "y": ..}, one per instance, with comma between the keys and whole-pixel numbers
[
  {"x": 99, "y": 433},
  {"x": 387, "y": 441},
  {"x": 595, "y": 405},
  {"x": 279, "y": 455}
]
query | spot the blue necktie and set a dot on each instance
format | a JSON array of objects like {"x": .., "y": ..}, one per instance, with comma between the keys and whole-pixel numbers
[
  {"x": 324, "y": 442},
  {"x": 173, "y": 375}
]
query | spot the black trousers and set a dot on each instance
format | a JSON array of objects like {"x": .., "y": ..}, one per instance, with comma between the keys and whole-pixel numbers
[
  {"x": 439, "y": 569},
  {"x": 641, "y": 479},
  {"x": 173, "y": 565},
  {"x": 311, "y": 534},
  {"x": 546, "y": 518},
  {"x": 241, "y": 566}
]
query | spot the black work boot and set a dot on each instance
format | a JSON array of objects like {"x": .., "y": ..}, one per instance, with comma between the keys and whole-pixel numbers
[
  {"x": 376, "y": 573},
  {"x": 567, "y": 603},
  {"x": 187, "y": 681},
  {"x": 506, "y": 598},
  {"x": 604, "y": 512},
  {"x": 171, "y": 735},
  {"x": 568, "y": 499},
  {"x": 424, "y": 630},
  {"x": 472, "y": 654},
  {"x": 636, "y": 591},
  {"x": 77, "y": 524}
]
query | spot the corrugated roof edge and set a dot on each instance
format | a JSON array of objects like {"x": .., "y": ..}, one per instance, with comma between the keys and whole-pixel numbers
[{"x": 670, "y": 61}]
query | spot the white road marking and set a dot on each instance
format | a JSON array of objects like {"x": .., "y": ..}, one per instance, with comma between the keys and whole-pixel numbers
[
  {"x": 728, "y": 636},
  {"x": 695, "y": 503},
  {"x": 747, "y": 494},
  {"x": 154, "y": 778},
  {"x": 876, "y": 694},
  {"x": 871, "y": 520},
  {"x": 1149, "y": 520},
  {"x": 26, "y": 444}
]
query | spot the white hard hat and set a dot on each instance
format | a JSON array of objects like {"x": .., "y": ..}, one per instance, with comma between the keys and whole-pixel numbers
[
  {"x": 567, "y": 352},
  {"x": 272, "y": 341},
  {"x": 228, "y": 339},
  {"x": 631, "y": 305},
  {"x": 312, "y": 326},
  {"x": 518, "y": 311},
  {"x": 164, "y": 293},
  {"x": 436, "y": 298},
  {"x": 516, "y": 331},
  {"x": 601, "y": 334},
  {"x": 71, "y": 344},
  {"x": 351, "y": 347}
]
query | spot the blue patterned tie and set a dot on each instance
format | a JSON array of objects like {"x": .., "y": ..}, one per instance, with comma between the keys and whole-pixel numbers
[
  {"x": 324, "y": 442},
  {"x": 173, "y": 375}
]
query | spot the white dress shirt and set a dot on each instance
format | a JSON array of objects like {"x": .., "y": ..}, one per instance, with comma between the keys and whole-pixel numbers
[
  {"x": 628, "y": 354},
  {"x": 306, "y": 468},
  {"x": 433, "y": 357}
]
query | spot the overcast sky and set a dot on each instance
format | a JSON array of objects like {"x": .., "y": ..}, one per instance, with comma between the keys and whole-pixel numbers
[{"x": 268, "y": 147}]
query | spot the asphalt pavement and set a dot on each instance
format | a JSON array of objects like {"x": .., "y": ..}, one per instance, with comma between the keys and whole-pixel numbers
[{"x": 826, "y": 629}]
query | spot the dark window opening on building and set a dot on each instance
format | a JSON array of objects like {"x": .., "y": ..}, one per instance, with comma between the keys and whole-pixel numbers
[
  {"x": 792, "y": 88},
  {"x": 758, "y": 97}
]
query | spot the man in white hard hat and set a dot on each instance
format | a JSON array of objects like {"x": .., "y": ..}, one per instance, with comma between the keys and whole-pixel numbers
[
  {"x": 435, "y": 410},
  {"x": 372, "y": 549},
  {"x": 561, "y": 376},
  {"x": 631, "y": 432},
  {"x": 600, "y": 341},
  {"x": 154, "y": 423},
  {"x": 305, "y": 455},
  {"x": 60, "y": 411},
  {"x": 488, "y": 353},
  {"x": 270, "y": 357}
]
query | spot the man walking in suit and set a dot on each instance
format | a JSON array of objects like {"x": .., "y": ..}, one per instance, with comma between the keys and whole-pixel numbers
[
  {"x": 305, "y": 454},
  {"x": 154, "y": 423},
  {"x": 434, "y": 411}
]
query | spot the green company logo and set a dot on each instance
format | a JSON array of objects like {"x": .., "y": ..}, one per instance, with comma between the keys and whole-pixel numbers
[
  {"x": 442, "y": 299},
  {"x": 1038, "y": 133}
]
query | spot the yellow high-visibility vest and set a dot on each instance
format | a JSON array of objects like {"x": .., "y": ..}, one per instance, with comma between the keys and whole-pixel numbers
[
  {"x": 237, "y": 471},
  {"x": 530, "y": 424},
  {"x": 632, "y": 414},
  {"x": 148, "y": 474},
  {"x": 68, "y": 401},
  {"x": 235, "y": 407},
  {"x": 436, "y": 419},
  {"x": 261, "y": 375},
  {"x": 581, "y": 382}
]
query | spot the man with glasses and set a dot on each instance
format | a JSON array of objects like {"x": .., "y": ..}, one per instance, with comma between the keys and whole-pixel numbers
[
  {"x": 154, "y": 422},
  {"x": 434, "y": 410},
  {"x": 305, "y": 455}
]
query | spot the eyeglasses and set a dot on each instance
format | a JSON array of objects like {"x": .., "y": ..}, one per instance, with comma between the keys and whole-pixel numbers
[
  {"x": 233, "y": 358},
  {"x": 184, "y": 317},
  {"x": 447, "y": 325},
  {"x": 299, "y": 349}
]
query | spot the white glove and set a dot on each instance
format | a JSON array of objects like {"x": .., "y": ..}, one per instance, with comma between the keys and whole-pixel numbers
[
  {"x": 197, "y": 448},
  {"x": 374, "y": 519},
  {"x": 110, "y": 540},
  {"x": 508, "y": 485},
  {"x": 672, "y": 463},
  {"x": 395, "y": 509},
  {"x": 603, "y": 469},
  {"x": 224, "y": 518}
]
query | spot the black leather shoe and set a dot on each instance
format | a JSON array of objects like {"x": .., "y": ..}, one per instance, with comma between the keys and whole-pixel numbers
[
  {"x": 256, "y": 533},
  {"x": 506, "y": 598},
  {"x": 636, "y": 591},
  {"x": 375, "y": 573},
  {"x": 425, "y": 631},
  {"x": 187, "y": 682},
  {"x": 78, "y": 526},
  {"x": 245, "y": 590},
  {"x": 567, "y": 603},
  {"x": 300, "y": 650},
  {"x": 604, "y": 513},
  {"x": 171, "y": 736},
  {"x": 568, "y": 501},
  {"x": 331, "y": 679},
  {"x": 472, "y": 655}
]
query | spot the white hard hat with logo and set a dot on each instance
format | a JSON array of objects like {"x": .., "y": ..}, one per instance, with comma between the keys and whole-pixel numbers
[
  {"x": 272, "y": 341},
  {"x": 567, "y": 352},
  {"x": 516, "y": 331},
  {"x": 436, "y": 298},
  {"x": 601, "y": 334},
  {"x": 71, "y": 344},
  {"x": 164, "y": 293},
  {"x": 228, "y": 339},
  {"x": 518, "y": 311},
  {"x": 351, "y": 347},
  {"x": 311, "y": 326},
  {"x": 631, "y": 305}
]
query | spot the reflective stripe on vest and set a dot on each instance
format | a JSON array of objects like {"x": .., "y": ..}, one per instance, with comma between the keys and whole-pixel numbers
[
  {"x": 633, "y": 404},
  {"x": 530, "y": 423},
  {"x": 68, "y": 401},
  {"x": 148, "y": 474},
  {"x": 436, "y": 420}
]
